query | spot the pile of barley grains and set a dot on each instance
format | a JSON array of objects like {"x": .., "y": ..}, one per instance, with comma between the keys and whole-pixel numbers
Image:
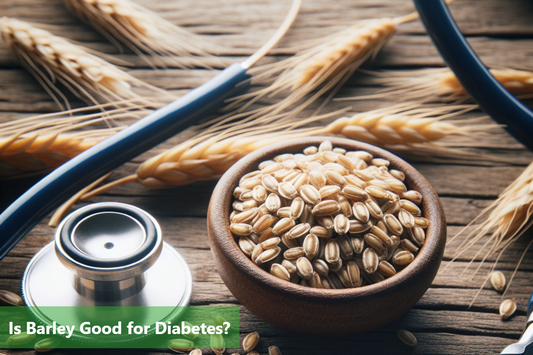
[{"x": 328, "y": 218}]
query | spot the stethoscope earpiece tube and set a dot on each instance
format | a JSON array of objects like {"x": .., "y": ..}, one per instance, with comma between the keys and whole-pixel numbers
[
  {"x": 69, "y": 178},
  {"x": 503, "y": 107}
]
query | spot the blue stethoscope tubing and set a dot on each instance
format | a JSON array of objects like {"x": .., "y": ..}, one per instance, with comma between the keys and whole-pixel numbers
[
  {"x": 69, "y": 178},
  {"x": 491, "y": 96}
]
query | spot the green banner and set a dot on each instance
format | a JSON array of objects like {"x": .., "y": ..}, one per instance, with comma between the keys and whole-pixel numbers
[{"x": 119, "y": 327}]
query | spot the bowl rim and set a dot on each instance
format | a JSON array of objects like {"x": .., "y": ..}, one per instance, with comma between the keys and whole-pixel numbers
[{"x": 219, "y": 226}]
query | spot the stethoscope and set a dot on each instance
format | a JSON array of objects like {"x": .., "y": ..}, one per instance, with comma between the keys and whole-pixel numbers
[{"x": 73, "y": 253}]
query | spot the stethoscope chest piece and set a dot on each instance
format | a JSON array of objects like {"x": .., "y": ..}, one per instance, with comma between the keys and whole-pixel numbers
[{"x": 107, "y": 254}]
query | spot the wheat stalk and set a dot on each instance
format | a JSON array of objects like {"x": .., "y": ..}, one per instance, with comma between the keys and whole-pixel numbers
[
  {"x": 53, "y": 59},
  {"x": 439, "y": 84},
  {"x": 504, "y": 221},
  {"x": 40, "y": 143},
  {"x": 208, "y": 156},
  {"x": 144, "y": 32}
]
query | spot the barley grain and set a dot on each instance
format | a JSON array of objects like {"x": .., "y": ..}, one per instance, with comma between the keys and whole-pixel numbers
[
  {"x": 47, "y": 344},
  {"x": 294, "y": 253},
  {"x": 406, "y": 337},
  {"x": 370, "y": 260},
  {"x": 11, "y": 298},
  {"x": 311, "y": 246},
  {"x": 304, "y": 268},
  {"x": 497, "y": 280},
  {"x": 180, "y": 345},
  {"x": 507, "y": 309}
]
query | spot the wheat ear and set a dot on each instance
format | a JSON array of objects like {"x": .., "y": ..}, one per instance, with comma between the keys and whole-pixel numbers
[
  {"x": 504, "y": 221},
  {"x": 439, "y": 84},
  {"x": 157, "y": 41},
  {"x": 40, "y": 143},
  {"x": 53, "y": 59},
  {"x": 208, "y": 158}
]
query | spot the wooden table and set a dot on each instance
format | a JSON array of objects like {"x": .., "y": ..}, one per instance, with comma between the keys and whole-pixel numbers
[{"x": 501, "y": 33}]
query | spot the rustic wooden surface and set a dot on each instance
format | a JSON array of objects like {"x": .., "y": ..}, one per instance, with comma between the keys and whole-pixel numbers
[{"x": 501, "y": 33}]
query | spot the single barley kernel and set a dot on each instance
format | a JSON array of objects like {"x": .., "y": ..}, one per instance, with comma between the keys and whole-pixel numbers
[
  {"x": 241, "y": 229},
  {"x": 270, "y": 243},
  {"x": 410, "y": 207},
  {"x": 346, "y": 162},
  {"x": 409, "y": 246},
  {"x": 358, "y": 244},
  {"x": 320, "y": 231},
  {"x": 274, "y": 350},
  {"x": 263, "y": 223},
  {"x": 310, "y": 150},
  {"x": 380, "y": 162},
  {"x": 326, "y": 208},
  {"x": 421, "y": 222},
  {"x": 271, "y": 168},
  {"x": 393, "y": 225},
  {"x": 346, "y": 208},
  {"x": 297, "y": 208},
  {"x": 287, "y": 190},
  {"x": 341, "y": 224},
  {"x": 245, "y": 216},
  {"x": 353, "y": 180},
  {"x": 250, "y": 341},
  {"x": 292, "y": 176},
  {"x": 294, "y": 253},
  {"x": 397, "y": 174},
  {"x": 354, "y": 274},
  {"x": 345, "y": 279},
  {"x": 374, "y": 209},
  {"x": 316, "y": 281},
  {"x": 280, "y": 175},
  {"x": 283, "y": 225},
  {"x": 360, "y": 212},
  {"x": 354, "y": 193},
  {"x": 259, "y": 193},
  {"x": 370, "y": 260},
  {"x": 180, "y": 345},
  {"x": 507, "y": 308},
  {"x": 289, "y": 266},
  {"x": 247, "y": 245},
  {"x": 266, "y": 235},
  {"x": 270, "y": 183},
  {"x": 418, "y": 236},
  {"x": 268, "y": 255},
  {"x": 357, "y": 227},
  {"x": 383, "y": 237},
  {"x": 376, "y": 192},
  {"x": 304, "y": 268},
  {"x": 256, "y": 252},
  {"x": 386, "y": 269},
  {"x": 403, "y": 257},
  {"x": 372, "y": 241},
  {"x": 196, "y": 352},
  {"x": 284, "y": 212},
  {"x": 332, "y": 251},
  {"x": 326, "y": 222},
  {"x": 273, "y": 203},
  {"x": 310, "y": 245},
  {"x": 11, "y": 298},
  {"x": 302, "y": 180},
  {"x": 218, "y": 345},
  {"x": 364, "y": 175},
  {"x": 406, "y": 219},
  {"x": 325, "y": 282},
  {"x": 298, "y": 231},
  {"x": 497, "y": 279},
  {"x": 413, "y": 196},
  {"x": 310, "y": 194},
  {"x": 406, "y": 337},
  {"x": 320, "y": 267},
  {"x": 339, "y": 150},
  {"x": 325, "y": 146},
  {"x": 329, "y": 191},
  {"x": 334, "y": 178}
]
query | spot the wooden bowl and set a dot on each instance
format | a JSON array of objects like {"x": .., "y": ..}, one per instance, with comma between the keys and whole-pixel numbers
[{"x": 309, "y": 310}]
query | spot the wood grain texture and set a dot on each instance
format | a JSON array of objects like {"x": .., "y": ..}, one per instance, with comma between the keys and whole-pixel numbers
[{"x": 501, "y": 33}]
